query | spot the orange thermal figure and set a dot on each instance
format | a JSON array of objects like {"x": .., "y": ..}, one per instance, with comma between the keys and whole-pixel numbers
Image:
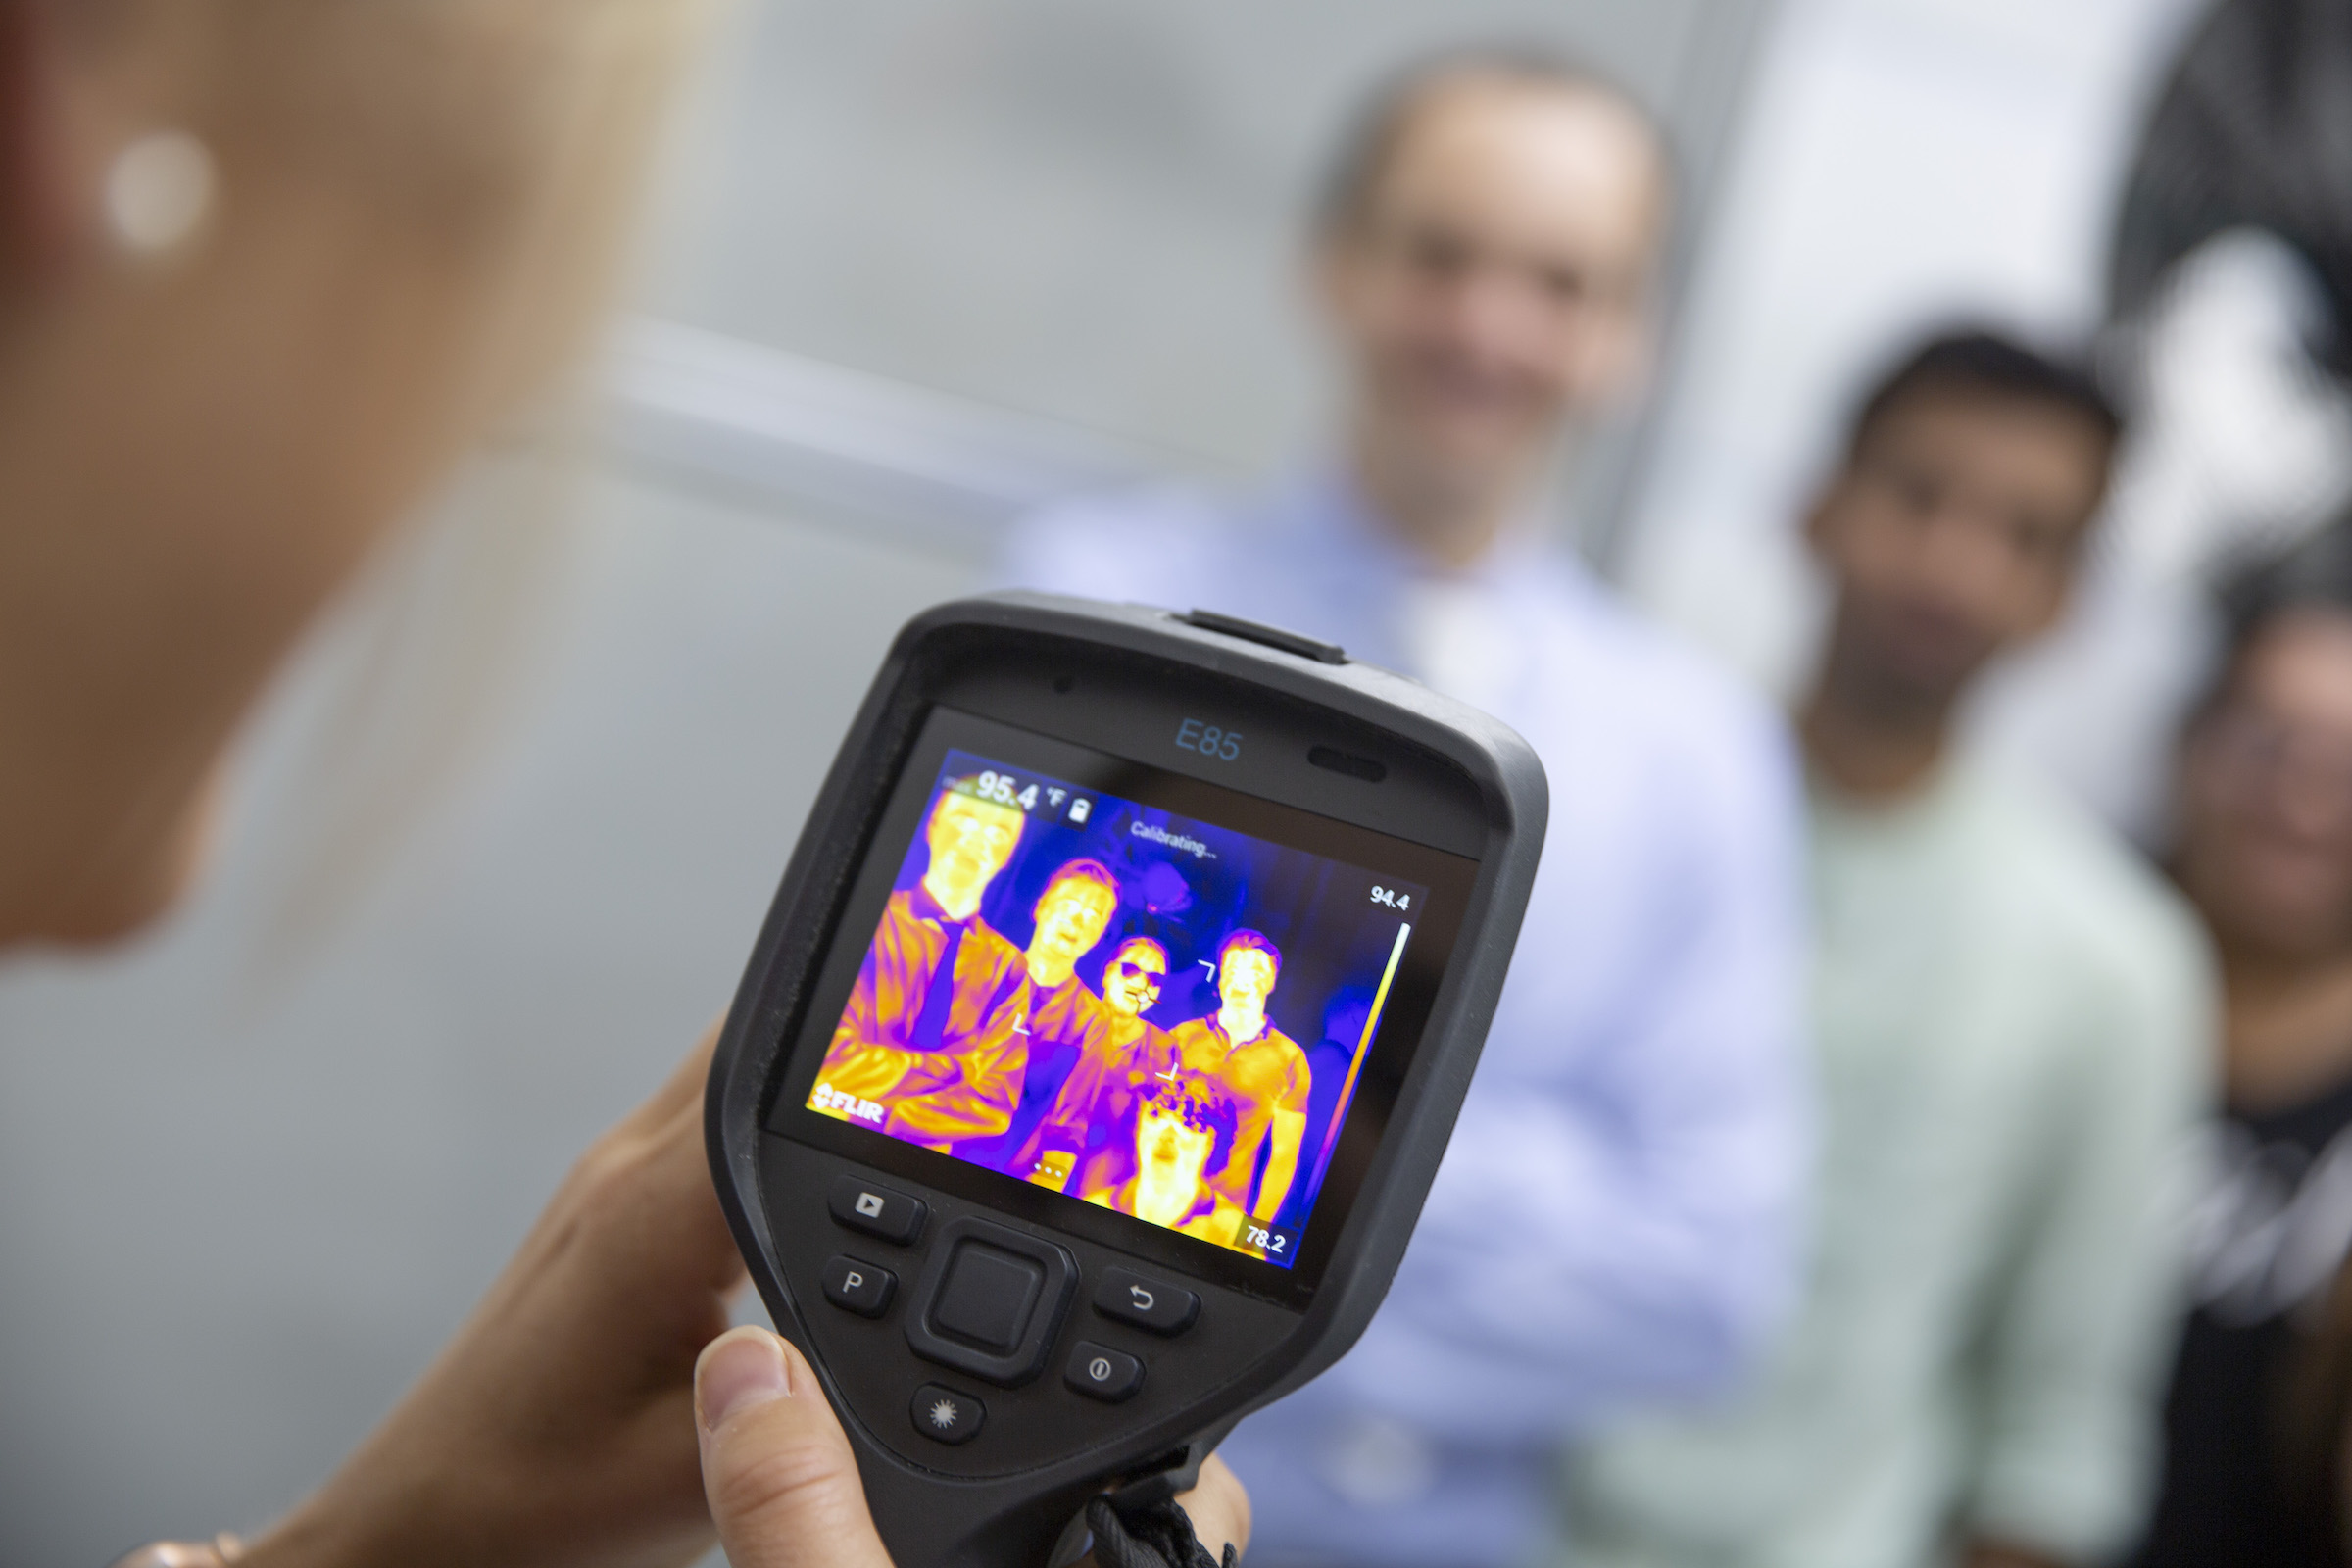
[
  {"x": 1181, "y": 1129},
  {"x": 1262, "y": 1067},
  {"x": 930, "y": 1046},
  {"x": 1119, "y": 1055},
  {"x": 1070, "y": 917}
]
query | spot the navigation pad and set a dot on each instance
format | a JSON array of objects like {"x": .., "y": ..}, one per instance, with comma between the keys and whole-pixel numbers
[
  {"x": 986, "y": 1296},
  {"x": 991, "y": 1300}
]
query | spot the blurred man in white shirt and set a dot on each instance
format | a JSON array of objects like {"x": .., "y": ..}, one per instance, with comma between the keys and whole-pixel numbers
[{"x": 1616, "y": 1219}]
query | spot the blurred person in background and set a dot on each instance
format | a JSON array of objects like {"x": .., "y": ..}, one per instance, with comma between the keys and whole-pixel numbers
[
  {"x": 267, "y": 267},
  {"x": 2013, "y": 1024},
  {"x": 2311, "y": 1444},
  {"x": 1615, "y": 1220},
  {"x": 2264, "y": 848}
]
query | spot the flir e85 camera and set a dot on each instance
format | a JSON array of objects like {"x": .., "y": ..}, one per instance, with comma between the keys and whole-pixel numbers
[{"x": 1102, "y": 1043}]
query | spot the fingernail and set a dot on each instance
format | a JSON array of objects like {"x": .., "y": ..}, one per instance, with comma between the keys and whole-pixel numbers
[{"x": 739, "y": 1369}]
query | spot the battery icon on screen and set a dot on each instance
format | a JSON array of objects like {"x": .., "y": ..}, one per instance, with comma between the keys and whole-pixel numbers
[{"x": 1080, "y": 808}]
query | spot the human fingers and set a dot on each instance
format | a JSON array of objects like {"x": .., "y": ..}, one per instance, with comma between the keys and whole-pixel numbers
[
  {"x": 680, "y": 1190},
  {"x": 783, "y": 1486},
  {"x": 642, "y": 1200},
  {"x": 681, "y": 1089}
]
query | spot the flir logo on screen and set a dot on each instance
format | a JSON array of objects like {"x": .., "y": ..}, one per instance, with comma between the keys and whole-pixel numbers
[
  {"x": 1224, "y": 744},
  {"x": 828, "y": 1097}
]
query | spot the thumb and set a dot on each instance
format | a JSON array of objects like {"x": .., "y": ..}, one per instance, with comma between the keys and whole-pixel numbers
[{"x": 783, "y": 1486}]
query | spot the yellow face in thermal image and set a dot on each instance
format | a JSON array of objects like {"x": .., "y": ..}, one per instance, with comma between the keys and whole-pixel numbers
[
  {"x": 1132, "y": 981},
  {"x": 1247, "y": 979},
  {"x": 1170, "y": 1146},
  {"x": 970, "y": 840},
  {"x": 1073, "y": 914}
]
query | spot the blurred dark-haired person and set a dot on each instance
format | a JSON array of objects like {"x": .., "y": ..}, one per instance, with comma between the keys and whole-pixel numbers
[
  {"x": 267, "y": 272},
  {"x": 2014, "y": 1019},
  {"x": 2263, "y": 846},
  {"x": 1260, "y": 1066},
  {"x": 2306, "y": 1483},
  {"x": 1616, "y": 1218}
]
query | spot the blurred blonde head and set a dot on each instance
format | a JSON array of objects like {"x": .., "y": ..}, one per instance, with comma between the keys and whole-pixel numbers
[{"x": 267, "y": 267}]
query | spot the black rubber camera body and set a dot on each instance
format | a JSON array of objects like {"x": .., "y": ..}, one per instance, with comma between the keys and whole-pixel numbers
[{"x": 1102, "y": 1043}]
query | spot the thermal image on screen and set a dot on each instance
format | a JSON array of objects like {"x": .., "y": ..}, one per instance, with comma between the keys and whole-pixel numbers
[{"x": 1155, "y": 1015}]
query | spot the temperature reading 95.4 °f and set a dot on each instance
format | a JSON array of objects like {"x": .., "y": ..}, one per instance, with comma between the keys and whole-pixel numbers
[
  {"x": 1392, "y": 897},
  {"x": 1011, "y": 789}
]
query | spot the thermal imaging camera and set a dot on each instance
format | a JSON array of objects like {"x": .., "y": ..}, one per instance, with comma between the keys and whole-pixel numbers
[{"x": 1100, "y": 1045}]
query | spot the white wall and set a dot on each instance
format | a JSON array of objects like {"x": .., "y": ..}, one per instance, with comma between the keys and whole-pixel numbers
[
  {"x": 1087, "y": 210},
  {"x": 1901, "y": 164}
]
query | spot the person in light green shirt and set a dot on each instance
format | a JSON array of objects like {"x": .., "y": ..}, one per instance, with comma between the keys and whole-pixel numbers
[{"x": 2014, "y": 1023}]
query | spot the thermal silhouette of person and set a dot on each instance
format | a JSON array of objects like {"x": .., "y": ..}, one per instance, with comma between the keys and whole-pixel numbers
[
  {"x": 1070, "y": 917},
  {"x": 930, "y": 1046},
  {"x": 1181, "y": 1129},
  {"x": 1262, "y": 1067},
  {"x": 1120, "y": 1055}
]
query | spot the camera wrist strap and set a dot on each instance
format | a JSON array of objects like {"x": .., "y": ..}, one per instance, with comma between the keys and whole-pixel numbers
[{"x": 1156, "y": 1534}]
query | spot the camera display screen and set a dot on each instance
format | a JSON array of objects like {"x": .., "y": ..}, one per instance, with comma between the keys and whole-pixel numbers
[{"x": 1150, "y": 1012}]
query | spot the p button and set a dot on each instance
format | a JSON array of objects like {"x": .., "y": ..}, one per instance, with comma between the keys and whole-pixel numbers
[{"x": 857, "y": 1286}]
